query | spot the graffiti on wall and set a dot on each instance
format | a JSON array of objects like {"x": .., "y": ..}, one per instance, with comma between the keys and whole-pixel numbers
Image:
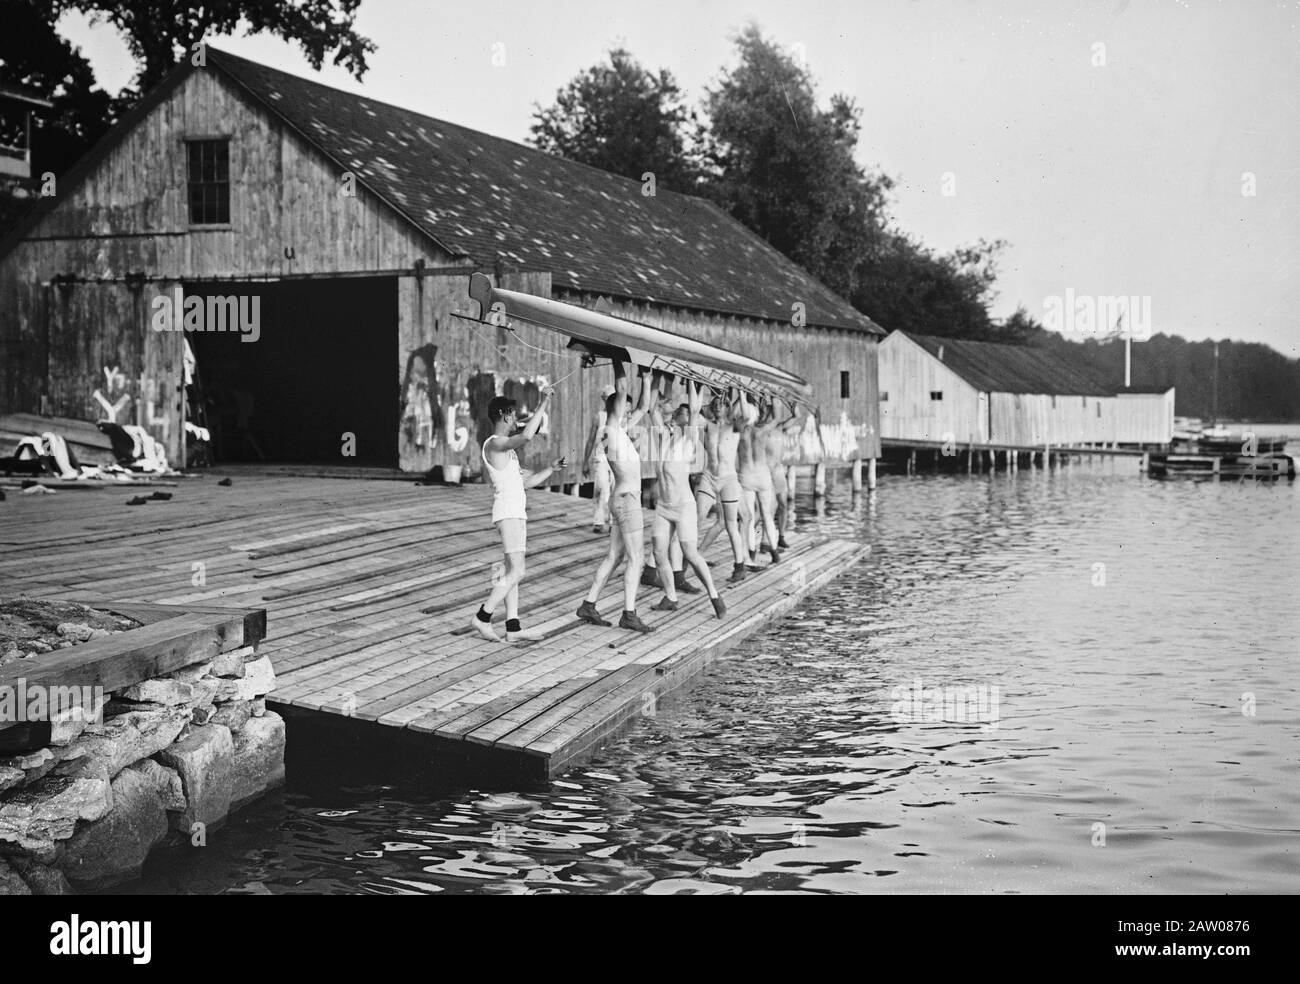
[{"x": 115, "y": 399}]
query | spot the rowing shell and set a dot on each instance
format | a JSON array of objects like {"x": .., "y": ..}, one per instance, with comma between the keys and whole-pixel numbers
[{"x": 603, "y": 334}]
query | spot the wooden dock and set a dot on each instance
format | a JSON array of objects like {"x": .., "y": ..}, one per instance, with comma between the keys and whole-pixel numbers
[{"x": 369, "y": 586}]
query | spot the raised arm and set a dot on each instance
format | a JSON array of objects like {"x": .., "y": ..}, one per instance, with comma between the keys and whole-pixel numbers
[
  {"x": 643, "y": 401},
  {"x": 516, "y": 441}
]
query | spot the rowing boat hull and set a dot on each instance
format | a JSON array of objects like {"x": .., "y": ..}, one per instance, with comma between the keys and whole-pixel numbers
[{"x": 644, "y": 344}]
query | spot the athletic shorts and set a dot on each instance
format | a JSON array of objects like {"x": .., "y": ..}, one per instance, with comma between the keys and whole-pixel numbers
[
  {"x": 514, "y": 534},
  {"x": 778, "y": 480},
  {"x": 626, "y": 510},
  {"x": 685, "y": 519},
  {"x": 721, "y": 487},
  {"x": 756, "y": 479}
]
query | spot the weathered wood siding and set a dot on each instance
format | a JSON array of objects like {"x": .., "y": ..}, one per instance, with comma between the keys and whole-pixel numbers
[
  {"x": 1037, "y": 419},
  {"x": 59, "y": 343},
  {"x": 849, "y": 427},
  {"x": 1144, "y": 418},
  {"x": 451, "y": 368},
  {"x": 908, "y": 375}
]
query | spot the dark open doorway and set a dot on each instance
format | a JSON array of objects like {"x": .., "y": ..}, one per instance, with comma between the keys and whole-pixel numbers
[{"x": 323, "y": 367}]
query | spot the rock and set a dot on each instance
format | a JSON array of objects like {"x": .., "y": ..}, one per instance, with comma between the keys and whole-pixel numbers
[
  {"x": 169, "y": 692},
  {"x": 259, "y": 707},
  {"x": 205, "y": 691},
  {"x": 112, "y": 850},
  {"x": 167, "y": 783},
  {"x": 28, "y": 760},
  {"x": 204, "y": 761},
  {"x": 258, "y": 759},
  {"x": 202, "y": 715},
  {"x": 190, "y": 674},
  {"x": 258, "y": 681},
  {"x": 133, "y": 736},
  {"x": 231, "y": 664},
  {"x": 76, "y": 631},
  {"x": 10, "y": 777},
  {"x": 10, "y": 883},
  {"x": 233, "y": 714},
  {"x": 40, "y": 878},
  {"x": 37, "y": 646},
  {"x": 69, "y": 723},
  {"x": 48, "y": 810}
]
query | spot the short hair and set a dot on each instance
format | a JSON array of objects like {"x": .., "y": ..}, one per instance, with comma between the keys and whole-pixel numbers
[
  {"x": 611, "y": 402},
  {"x": 499, "y": 407},
  {"x": 683, "y": 406}
]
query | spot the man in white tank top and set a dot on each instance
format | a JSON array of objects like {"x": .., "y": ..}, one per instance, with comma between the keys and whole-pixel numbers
[
  {"x": 509, "y": 514},
  {"x": 627, "y": 533}
]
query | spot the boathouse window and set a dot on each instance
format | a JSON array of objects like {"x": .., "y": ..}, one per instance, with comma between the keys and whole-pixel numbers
[
  {"x": 884, "y": 396},
  {"x": 844, "y": 384},
  {"x": 209, "y": 181},
  {"x": 1053, "y": 401},
  {"x": 936, "y": 394},
  {"x": 1099, "y": 408}
]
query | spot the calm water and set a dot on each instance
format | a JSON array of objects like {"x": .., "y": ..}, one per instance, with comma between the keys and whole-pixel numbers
[{"x": 1162, "y": 704}]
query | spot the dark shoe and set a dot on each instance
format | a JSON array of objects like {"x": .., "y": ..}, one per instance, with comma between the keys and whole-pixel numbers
[
  {"x": 776, "y": 557},
  {"x": 719, "y": 607},
  {"x": 650, "y": 577},
  {"x": 665, "y": 606},
  {"x": 782, "y": 544},
  {"x": 587, "y": 612},
  {"x": 680, "y": 582},
  {"x": 139, "y": 500},
  {"x": 737, "y": 574},
  {"x": 161, "y": 496},
  {"x": 600, "y": 530},
  {"x": 226, "y": 482},
  {"x": 631, "y": 620}
]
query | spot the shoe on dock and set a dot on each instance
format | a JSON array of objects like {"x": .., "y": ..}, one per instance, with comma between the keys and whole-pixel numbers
[
  {"x": 776, "y": 557},
  {"x": 665, "y": 605},
  {"x": 719, "y": 607},
  {"x": 587, "y": 612},
  {"x": 782, "y": 544},
  {"x": 681, "y": 584},
  {"x": 631, "y": 620},
  {"x": 484, "y": 629},
  {"x": 524, "y": 636},
  {"x": 650, "y": 577},
  {"x": 600, "y": 530},
  {"x": 737, "y": 574}
]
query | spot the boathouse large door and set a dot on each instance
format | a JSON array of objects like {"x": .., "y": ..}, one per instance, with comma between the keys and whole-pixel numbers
[{"x": 307, "y": 373}]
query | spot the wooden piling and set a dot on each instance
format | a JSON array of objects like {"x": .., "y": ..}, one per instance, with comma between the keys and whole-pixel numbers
[
  {"x": 819, "y": 479},
  {"x": 856, "y": 474},
  {"x": 871, "y": 474}
]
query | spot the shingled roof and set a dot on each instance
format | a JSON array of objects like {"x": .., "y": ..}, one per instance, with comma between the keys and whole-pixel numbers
[
  {"x": 491, "y": 199},
  {"x": 995, "y": 368}
]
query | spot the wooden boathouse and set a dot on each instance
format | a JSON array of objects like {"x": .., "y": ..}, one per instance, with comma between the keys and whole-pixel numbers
[
  {"x": 993, "y": 396},
  {"x": 310, "y": 247}
]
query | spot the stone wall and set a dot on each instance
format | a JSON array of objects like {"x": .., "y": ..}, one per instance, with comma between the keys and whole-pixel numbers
[{"x": 167, "y": 761}]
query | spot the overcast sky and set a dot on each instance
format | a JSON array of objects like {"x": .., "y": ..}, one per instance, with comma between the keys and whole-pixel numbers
[{"x": 1108, "y": 143}]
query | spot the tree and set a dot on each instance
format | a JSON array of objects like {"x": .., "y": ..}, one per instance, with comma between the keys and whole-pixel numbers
[
  {"x": 785, "y": 167},
  {"x": 158, "y": 32},
  {"x": 625, "y": 119},
  {"x": 35, "y": 57}
]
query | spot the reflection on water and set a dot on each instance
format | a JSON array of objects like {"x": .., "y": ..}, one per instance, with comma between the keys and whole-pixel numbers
[{"x": 1142, "y": 637}]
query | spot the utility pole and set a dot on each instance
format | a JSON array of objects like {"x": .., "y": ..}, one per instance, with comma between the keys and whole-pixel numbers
[{"x": 1215, "y": 421}]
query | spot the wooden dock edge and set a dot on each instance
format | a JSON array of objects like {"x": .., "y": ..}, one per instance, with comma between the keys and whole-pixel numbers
[{"x": 504, "y": 763}]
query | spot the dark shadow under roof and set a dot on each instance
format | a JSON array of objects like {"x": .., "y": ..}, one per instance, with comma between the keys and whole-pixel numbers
[
  {"x": 995, "y": 368},
  {"x": 487, "y": 198}
]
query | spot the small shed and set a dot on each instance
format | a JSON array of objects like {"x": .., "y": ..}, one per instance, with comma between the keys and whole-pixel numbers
[{"x": 990, "y": 394}]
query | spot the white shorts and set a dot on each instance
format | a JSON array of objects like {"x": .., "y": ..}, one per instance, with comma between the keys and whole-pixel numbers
[
  {"x": 514, "y": 535},
  {"x": 685, "y": 518},
  {"x": 724, "y": 488}
]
